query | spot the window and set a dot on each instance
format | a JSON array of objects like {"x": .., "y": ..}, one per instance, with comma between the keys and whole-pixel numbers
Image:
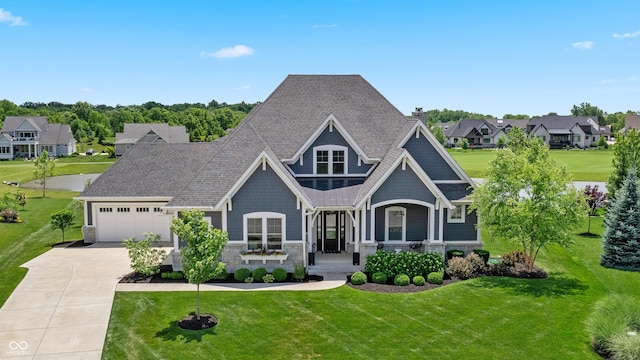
[
  {"x": 106, "y": 209},
  {"x": 157, "y": 209},
  {"x": 395, "y": 223},
  {"x": 576, "y": 138},
  {"x": 123, "y": 209},
  {"x": 486, "y": 141},
  {"x": 142, "y": 209},
  {"x": 322, "y": 162},
  {"x": 330, "y": 160},
  {"x": 456, "y": 215},
  {"x": 5, "y": 149},
  {"x": 264, "y": 230},
  {"x": 484, "y": 131}
]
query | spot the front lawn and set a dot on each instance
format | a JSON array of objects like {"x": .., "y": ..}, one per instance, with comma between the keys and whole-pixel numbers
[{"x": 486, "y": 318}]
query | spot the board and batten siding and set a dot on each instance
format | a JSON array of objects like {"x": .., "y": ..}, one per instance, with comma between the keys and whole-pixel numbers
[{"x": 264, "y": 192}]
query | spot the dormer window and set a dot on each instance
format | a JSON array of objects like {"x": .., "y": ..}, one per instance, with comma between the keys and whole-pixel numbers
[{"x": 330, "y": 160}]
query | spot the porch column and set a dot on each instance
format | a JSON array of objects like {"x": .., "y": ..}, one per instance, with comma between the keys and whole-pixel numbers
[{"x": 356, "y": 240}]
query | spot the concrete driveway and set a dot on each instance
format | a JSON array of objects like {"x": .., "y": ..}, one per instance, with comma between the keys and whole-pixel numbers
[{"x": 61, "y": 308}]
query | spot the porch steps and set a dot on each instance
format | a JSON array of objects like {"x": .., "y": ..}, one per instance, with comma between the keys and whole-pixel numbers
[{"x": 334, "y": 266}]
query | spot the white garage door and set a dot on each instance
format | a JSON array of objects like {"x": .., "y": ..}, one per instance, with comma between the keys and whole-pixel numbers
[{"x": 117, "y": 222}]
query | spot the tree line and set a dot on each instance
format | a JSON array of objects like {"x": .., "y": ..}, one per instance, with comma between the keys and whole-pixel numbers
[{"x": 87, "y": 121}]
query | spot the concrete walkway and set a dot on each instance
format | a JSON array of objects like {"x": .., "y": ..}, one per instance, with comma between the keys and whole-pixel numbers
[{"x": 61, "y": 308}]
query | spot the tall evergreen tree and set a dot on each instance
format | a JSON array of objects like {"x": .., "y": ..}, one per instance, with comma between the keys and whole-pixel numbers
[{"x": 621, "y": 239}]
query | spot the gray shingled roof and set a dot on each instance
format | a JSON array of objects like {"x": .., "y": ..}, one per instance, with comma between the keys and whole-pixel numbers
[
  {"x": 152, "y": 170},
  {"x": 631, "y": 122},
  {"x": 297, "y": 108},
  {"x": 56, "y": 134},
  {"x": 551, "y": 122},
  {"x": 12, "y": 122},
  {"x": 464, "y": 127},
  {"x": 455, "y": 192},
  {"x": 503, "y": 123},
  {"x": 345, "y": 196},
  {"x": 134, "y": 132}
]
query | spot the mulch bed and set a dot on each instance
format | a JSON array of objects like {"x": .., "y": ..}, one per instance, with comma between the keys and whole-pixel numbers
[{"x": 190, "y": 322}]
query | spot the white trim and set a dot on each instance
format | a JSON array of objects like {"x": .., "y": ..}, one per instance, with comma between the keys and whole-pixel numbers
[
  {"x": 330, "y": 121},
  {"x": 251, "y": 169},
  {"x": 449, "y": 181},
  {"x": 439, "y": 148},
  {"x": 330, "y": 149},
  {"x": 401, "y": 209},
  {"x": 426, "y": 180},
  {"x": 461, "y": 220},
  {"x": 124, "y": 199},
  {"x": 264, "y": 215},
  {"x": 440, "y": 226}
]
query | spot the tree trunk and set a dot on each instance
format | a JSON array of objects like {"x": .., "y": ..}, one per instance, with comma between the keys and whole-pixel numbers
[
  {"x": 589, "y": 225},
  {"x": 198, "y": 302}
]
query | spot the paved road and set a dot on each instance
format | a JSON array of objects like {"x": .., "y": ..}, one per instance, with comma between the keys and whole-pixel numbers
[{"x": 63, "y": 182}]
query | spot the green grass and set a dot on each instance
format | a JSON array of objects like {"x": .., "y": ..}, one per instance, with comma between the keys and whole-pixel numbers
[
  {"x": 486, "y": 318},
  {"x": 20, "y": 243},
  {"x": 587, "y": 165}
]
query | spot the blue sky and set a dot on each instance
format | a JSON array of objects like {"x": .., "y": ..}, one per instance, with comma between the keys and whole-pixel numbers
[{"x": 490, "y": 57}]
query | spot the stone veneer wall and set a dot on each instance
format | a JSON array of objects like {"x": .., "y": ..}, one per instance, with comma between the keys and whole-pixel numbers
[{"x": 89, "y": 234}]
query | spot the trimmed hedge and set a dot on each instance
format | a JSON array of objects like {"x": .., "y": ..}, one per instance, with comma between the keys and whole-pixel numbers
[
  {"x": 402, "y": 280},
  {"x": 435, "y": 278},
  {"x": 418, "y": 280},
  {"x": 484, "y": 254},
  {"x": 358, "y": 278},
  {"x": 175, "y": 275},
  {"x": 258, "y": 274},
  {"x": 241, "y": 274},
  {"x": 454, "y": 253},
  {"x": 279, "y": 274},
  {"x": 409, "y": 263},
  {"x": 379, "y": 277}
]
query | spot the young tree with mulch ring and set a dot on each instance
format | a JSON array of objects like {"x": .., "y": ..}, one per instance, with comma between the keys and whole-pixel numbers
[
  {"x": 596, "y": 199},
  {"x": 528, "y": 198},
  {"x": 44, "y": 170},
  {"x": 621, "y": 239},
  {"x": 199, "y": 259}
]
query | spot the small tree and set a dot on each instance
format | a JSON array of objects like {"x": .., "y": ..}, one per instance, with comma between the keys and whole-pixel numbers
[
  {"x": 621, "y": 239},
  {"x": 145, "y": 260},
  {"x": 438, "y": 133},
  {"x": 62, "y": 220},
  {"x": 626, "y": 154},
  {"x": 21, "y": 198},
  {"x": 527, "y": 198},
  {"x": 204, "y": 246},
  {"x": 44, "y": 170},
  {"x": 595, "y": 201},
  {"x": 502, "y": 143},
  {"x": 465, "y": 144}
]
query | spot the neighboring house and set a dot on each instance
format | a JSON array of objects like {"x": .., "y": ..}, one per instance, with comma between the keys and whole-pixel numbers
[
  {"x": 149, "y": 133},
  {"x": 326, "y": 164},
  {"x": 631, "y": 122},
  {"x": 28, "y": 136},
  {"x": 562, "y": 131},
  {"x": 478, "y": 132}
]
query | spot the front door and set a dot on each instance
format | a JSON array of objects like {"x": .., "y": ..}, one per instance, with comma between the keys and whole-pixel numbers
[{"x": 333, "y": 231}]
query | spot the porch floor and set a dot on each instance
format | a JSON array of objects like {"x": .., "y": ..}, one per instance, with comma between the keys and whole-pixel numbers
[{"x": 334, "y": 266}]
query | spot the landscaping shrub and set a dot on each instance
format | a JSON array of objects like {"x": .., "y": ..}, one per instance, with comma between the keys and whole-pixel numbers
[
  {"x": 418, "y": 280},
  {"x": 241, "y": 274},
  {"x": 268, "y": 278},
  {"x": 358, "y": 278},
  {"x": 223, "y": 274},
  {"x": 144, "y": 259},
  {"x": 379, "y": 277},
  {"x": 175, "y": 275},
  {"x": 248, "y": 280},
  {"x": 514, "y": 257},
  {"x": 259, "y": 273},
  {"x": 279, "y": 274},
  {"x": 454, "y": 253},
  {"x": 484, "y": 254},
  {"x": 410, "y": 263},
  {"x": 612, "y": 325},
  {"x": 464, "y": 268},
  {"x": 435, "y": 278},
  {"x": 299, "y": 271},
  {"x": 402, "y": 280}
]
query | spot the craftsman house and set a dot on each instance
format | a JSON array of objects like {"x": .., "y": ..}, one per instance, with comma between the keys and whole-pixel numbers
[
  {"x": 326, "y": 164},
  {"x": 565, "y": 131},
  {"x": 149, "y": 134},
  {"x": 28, "y": 136},
  {"x": 480, "y": 133}
]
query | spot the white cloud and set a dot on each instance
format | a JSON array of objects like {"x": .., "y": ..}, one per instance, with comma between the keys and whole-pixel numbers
[
  {"x": 6, "y": 16},
  {"x": 627, "y": 35},
  {"x": 606, "y": 81},
  {"x": 324, "y": 26},
  {"x": 243, "y": 88},
  {"x": 232, "y": 52},
  {"x": 583, "y": 45}
]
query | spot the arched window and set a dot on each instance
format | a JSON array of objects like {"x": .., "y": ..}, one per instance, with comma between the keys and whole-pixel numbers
[{"x": 395, "y": 220}]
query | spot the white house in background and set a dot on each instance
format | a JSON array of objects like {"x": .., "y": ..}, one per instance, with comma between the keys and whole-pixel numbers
[
  {"x": 149, "y": 134},
  {"x": 562, "y": 131},
  {"x": 28, "y": 136}
]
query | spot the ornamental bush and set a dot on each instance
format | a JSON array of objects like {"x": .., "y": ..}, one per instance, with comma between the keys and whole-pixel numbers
[
  {"x": 418, "y": 280},
  {"x": 402, "y": 280},
  {"x": 514, "y": 257},
  {"x": 435, "y": 278},
  {"x": 241, "y": 274},
  {"x": 464, "y": 268},
  {"x": 614, "y": 327},
  {"x": 379, "y": 277},
  {"x": 175, "y": 275},
  {"x": 259, "y": 273},
  {"x": 454, "y": 253},
  {"x": 145, "y": 260},
  {"x": 279, "y": 274},
  {"x": 358, "y": 278},
  {"x": 484, "y": 254},
  {"x": 410, "y": 263}
]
